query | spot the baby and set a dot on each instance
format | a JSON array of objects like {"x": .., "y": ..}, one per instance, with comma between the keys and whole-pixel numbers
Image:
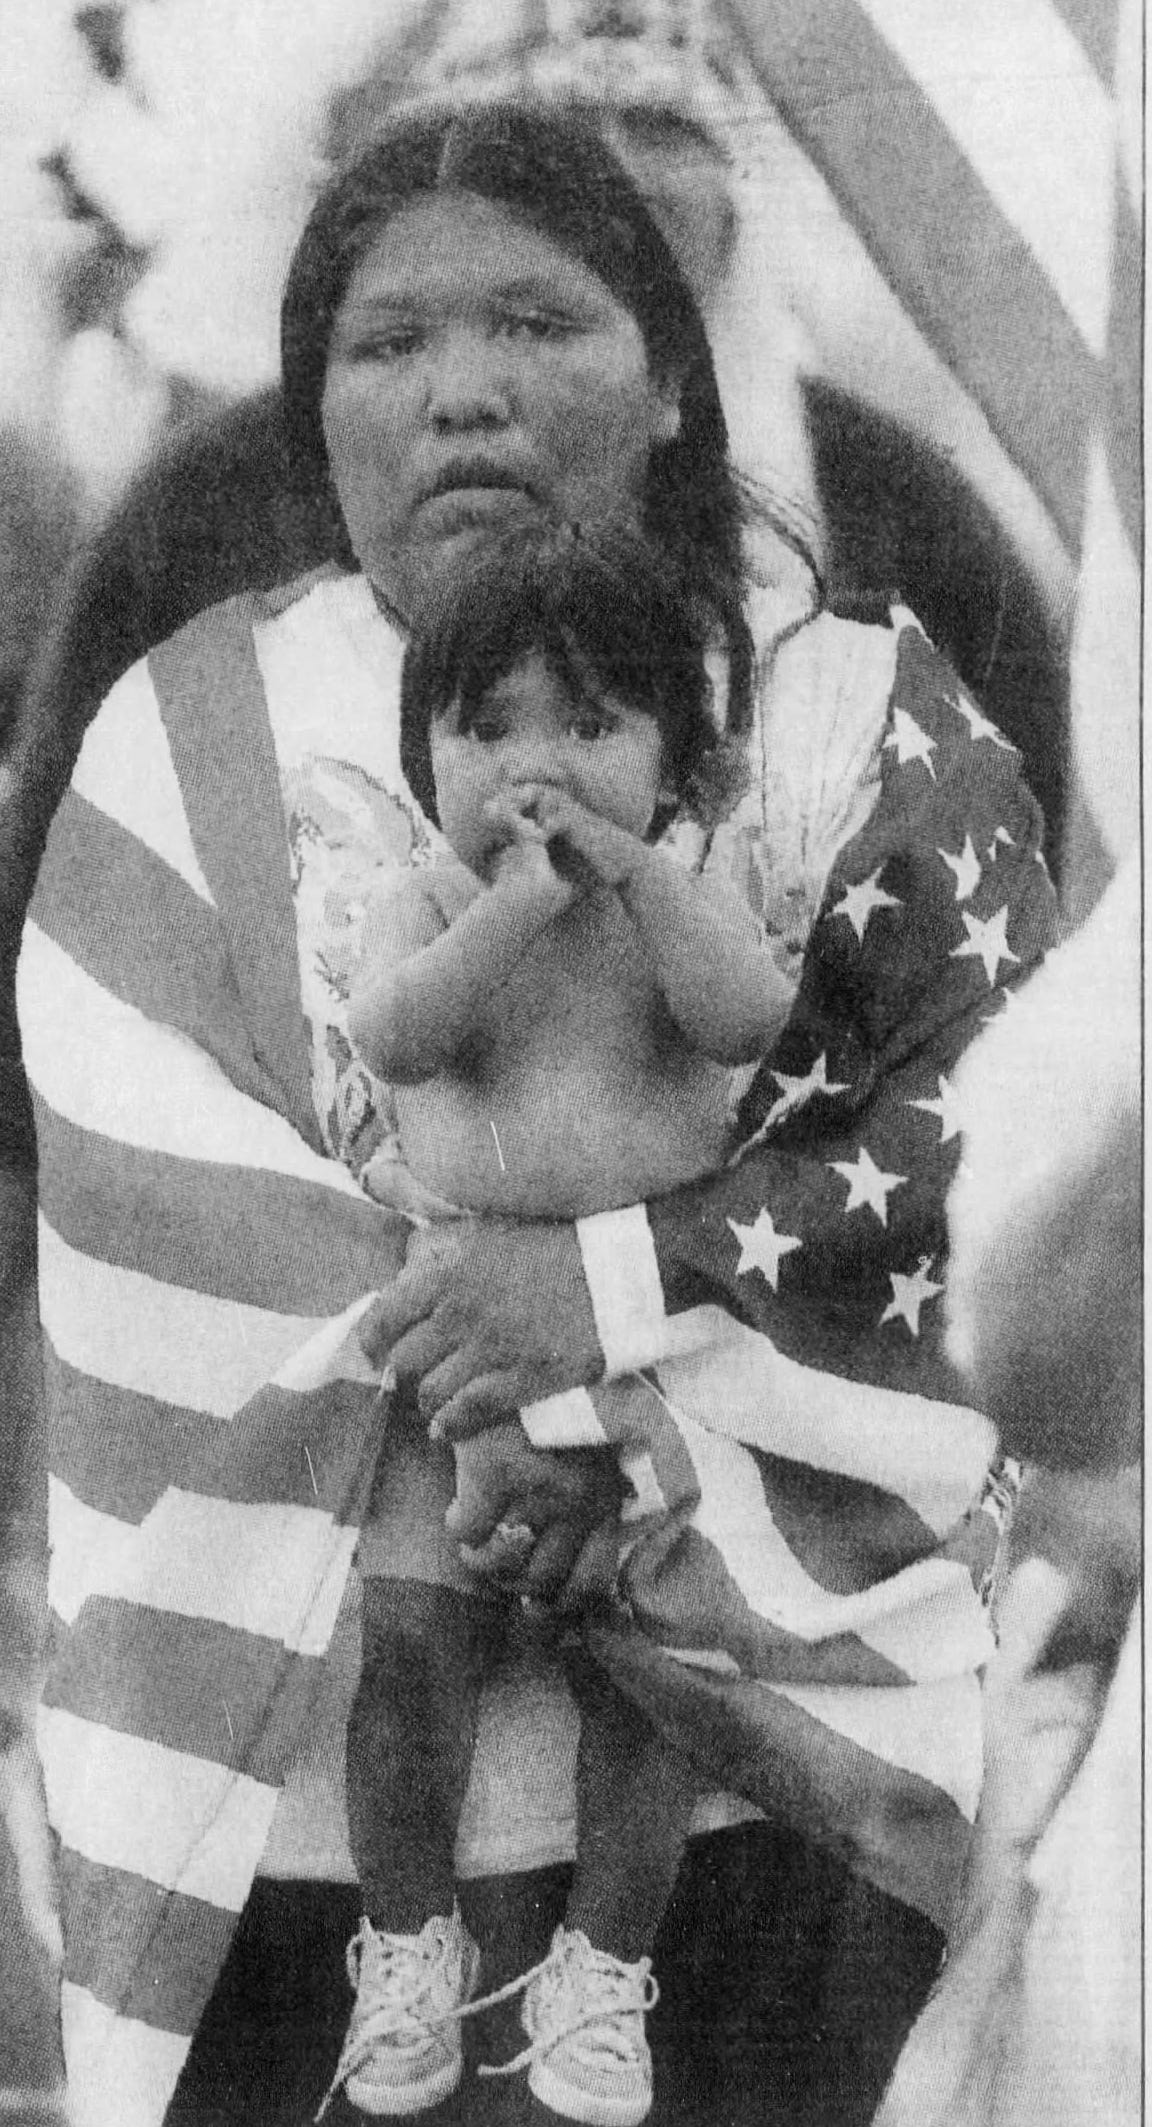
[{"x": 558, "y": 1008}]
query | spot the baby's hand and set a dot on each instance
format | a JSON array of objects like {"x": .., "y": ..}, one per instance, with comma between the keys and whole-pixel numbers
[
  {"x": 525, "y": 852},
  {"x": 524, "y": 1516},
  {"x": 580, "y": 841}
]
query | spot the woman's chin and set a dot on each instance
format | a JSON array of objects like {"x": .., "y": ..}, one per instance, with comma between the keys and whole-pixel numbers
[{"x": 439, "y": 538}]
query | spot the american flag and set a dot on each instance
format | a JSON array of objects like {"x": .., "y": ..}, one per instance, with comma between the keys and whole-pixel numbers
[
  {"x": 206, "y": 1551},
  {"x": 213, "y": 1423},
  {"x": 816, "y": 1523}
]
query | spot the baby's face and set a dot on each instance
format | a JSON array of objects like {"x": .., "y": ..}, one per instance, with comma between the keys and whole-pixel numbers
[{"x": 529, "y": 734}]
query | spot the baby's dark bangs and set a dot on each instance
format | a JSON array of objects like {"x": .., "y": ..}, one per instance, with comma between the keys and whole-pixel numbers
[{"x": 596, "y": 618}]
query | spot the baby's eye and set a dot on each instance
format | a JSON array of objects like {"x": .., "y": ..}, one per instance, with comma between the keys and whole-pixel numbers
[
  {"x": 487, "y": 726},
  {"x": 590, "y": 724}
]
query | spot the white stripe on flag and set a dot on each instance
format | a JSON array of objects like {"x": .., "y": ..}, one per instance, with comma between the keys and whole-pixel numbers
[
  {"x": 1106, "y": 647},
  {"x": 733, "y": 1515},
  {"x": 933, "y": 1624},
  {"x": 160, "y": 1340},
  {"x": 121, "y": 2073},
  {"x": 182, "y": 1822},
  {"x": 1004, "y": 81},
  {"x": 143, "y": 1084},
  {"x": 927, "y": 1620},
  {"x": 568, "y": 1420},
  {"x": 933, "y": 1730},
  {"x": 933, "y": 1455},
  {"x": 623, "y": 1277},
  {"x": 334, "y": 1354},
  {"x": 125, "y": 769},
  {"x": 278, "y": 1571}
]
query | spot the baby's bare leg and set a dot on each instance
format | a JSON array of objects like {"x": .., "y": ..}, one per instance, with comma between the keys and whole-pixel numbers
[{"x": 634, "y": 1798}]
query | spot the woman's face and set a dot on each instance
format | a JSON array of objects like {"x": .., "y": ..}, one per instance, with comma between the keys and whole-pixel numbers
[{"x": 478, "y": 376}]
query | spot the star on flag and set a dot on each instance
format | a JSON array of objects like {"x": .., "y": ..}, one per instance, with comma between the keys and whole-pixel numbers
[
  {"x": 868, "y": 1185},
  {"x": 1001, "y": 839},
  {"x": 762, "y": 1248},
  {"x": 965, "y": 869},
  {"x": 911, "y": 742},
  {"x": 909, "y": 1295},
  {"x": 797, "y": 1092},
  {"x": 860, "y": 901},
  {"x": 946, "y": 1107},
  {"x": 979, "y": 726},
  {"x": 987, "y": 940}
]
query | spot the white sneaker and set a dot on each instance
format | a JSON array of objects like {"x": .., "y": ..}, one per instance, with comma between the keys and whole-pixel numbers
[
  {"x": 403, "y": 2051},
  {"x": 584, "y": 2014}
]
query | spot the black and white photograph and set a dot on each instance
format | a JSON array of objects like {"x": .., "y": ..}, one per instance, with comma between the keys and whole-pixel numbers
[{"x": 571, "y": 1139}]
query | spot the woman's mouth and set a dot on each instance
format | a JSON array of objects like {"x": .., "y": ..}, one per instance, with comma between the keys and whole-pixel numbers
[
  {"x": 471, "y": 475},
  {"x": 456, "y": 508}
]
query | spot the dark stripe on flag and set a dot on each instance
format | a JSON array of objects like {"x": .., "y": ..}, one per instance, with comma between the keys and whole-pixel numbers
[
  {"x": 246, "y": 1234},
  {"x": 959, "y": 266},
  {"x": 1094, "y": 25},
  {"x": 139, "y": 931},
  {"x": 211, "y": 698},
  {"x": 212, "y": 1691},
  {"x": 1124, "y": 413},
  {"x": 845, "y": 1534},
  {"x": 119, "y": 1452},
  {"x": 892, "y": 1826},
  {"x": 682, "y": 1593},
  {"x": 112, "y": 1917}
]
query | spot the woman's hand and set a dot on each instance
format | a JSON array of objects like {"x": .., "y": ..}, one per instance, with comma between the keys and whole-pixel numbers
[
  {"x": 487, "y": 1316},
  {"x": 544, "y": 1522}
]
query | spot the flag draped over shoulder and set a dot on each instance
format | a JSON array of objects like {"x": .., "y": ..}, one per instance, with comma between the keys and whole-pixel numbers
[
  {"x": 806, "y": 1614},
  {"x": 213, "y": 1425},
  {"x": 811, "y": 1543}
]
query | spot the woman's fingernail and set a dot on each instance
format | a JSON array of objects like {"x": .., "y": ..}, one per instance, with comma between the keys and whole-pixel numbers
[{"x": 435, "y": 1430}]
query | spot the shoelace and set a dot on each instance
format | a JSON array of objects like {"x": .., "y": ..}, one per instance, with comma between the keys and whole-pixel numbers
[
  {"x": 614, "y": 1992},
  {"x": 389, "y": 2022}
]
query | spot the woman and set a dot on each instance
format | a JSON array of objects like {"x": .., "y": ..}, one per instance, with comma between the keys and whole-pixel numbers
[{"x": 483, "y": 326}]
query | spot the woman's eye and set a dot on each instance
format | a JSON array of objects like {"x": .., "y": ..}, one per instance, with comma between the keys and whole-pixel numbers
[
  {"x": 534, "y": 325},
  {"x": 388, "y": 344}
]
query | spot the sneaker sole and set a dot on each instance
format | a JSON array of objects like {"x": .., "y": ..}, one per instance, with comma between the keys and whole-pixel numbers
[
  {"x": 582, "y": 2105},
  {"x": 403, "y": 2099}
]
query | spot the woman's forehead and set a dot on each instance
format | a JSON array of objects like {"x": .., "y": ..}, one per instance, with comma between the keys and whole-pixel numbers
[{"x": 456, "y": 248}]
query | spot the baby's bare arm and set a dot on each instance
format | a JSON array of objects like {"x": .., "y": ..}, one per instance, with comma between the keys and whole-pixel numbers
[
  {"x": 427, "y": 979},
  {"x": 708, "y": 953}
]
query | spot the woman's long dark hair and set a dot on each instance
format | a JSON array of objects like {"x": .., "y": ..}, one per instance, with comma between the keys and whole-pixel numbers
[{"x": 555, "y": 173}]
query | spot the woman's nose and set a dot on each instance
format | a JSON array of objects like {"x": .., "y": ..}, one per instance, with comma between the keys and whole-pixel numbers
[{"x": 467, "y": 386}]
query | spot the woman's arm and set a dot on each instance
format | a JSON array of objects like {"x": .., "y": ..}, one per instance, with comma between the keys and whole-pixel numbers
[
  {"x": 707, "y": 951},
  {"x": 828, "y": 1239},
  {"x": 432, "y": 975}
]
